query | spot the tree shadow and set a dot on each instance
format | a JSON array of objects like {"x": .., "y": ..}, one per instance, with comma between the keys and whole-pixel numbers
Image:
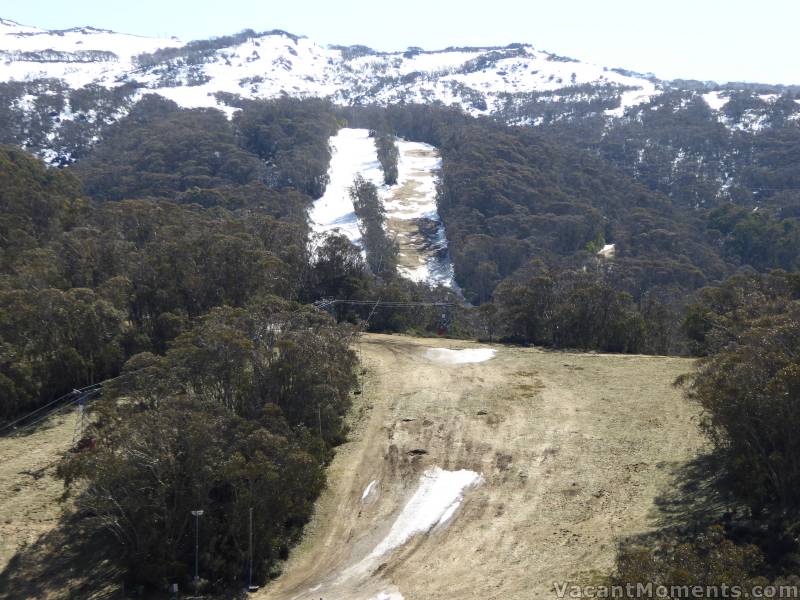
[
  {"x": 68, "y": 562},
  {"x": 697, "y": 497}
]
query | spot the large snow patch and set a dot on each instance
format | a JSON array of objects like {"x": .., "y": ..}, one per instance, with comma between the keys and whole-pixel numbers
[
  {"x": 437, "y": 498},
  {"x": 352, "y": 152}
]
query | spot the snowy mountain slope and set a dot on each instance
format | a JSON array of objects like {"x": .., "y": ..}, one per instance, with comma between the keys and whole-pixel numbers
[
  {"x": 78, "y": 56},
  {"x": 251, "y": 65},
  {"x": 352, "y": 153},
  {"x": 60, "y": 89}
]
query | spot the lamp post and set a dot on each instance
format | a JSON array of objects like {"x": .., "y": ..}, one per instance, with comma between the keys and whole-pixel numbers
[
  {"x": 197, "y": 514},
  {"x": 250, "y": 562}
]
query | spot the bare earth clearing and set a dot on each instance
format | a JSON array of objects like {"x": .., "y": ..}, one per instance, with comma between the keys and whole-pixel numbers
[{"x": 573, "y": 448}]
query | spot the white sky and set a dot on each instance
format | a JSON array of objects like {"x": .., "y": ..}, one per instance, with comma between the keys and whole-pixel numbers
[{"x": 723, "y": 40}]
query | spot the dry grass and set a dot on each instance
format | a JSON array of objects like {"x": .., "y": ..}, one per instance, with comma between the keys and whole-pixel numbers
[
  {"x": 578, "y": 451},
  {"x": 575, "y": 449}
]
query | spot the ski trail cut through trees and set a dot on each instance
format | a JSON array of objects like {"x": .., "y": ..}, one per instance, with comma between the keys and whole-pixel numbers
[{"x": 412, "y": 218}]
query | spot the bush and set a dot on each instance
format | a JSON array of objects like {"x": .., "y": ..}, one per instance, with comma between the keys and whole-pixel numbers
[
  {"x": 709, "y": 560},
  {"x": 240, "y": 413},
  {"x": 750, "y": 392}
]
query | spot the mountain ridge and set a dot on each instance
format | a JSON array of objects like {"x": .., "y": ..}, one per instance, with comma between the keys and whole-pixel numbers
[{"x": 89, "y": 77}]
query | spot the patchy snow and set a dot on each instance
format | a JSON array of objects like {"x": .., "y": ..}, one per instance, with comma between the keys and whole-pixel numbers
[
  {"x": 416, "y": 167},
  {"x": 439, "y": 495},
  {"x": 458, "y": 357},
  {"x": 368, "y": 490},
  {"x": 388, "y": 596},
  {"x": 436, "y": 61},
  {"x": 269, "y": 64},
  {"x": 635, "y": 97},
  {"x": 715, "y": 100},
  {"x": 79, "y": 56},
  {"x": 436, "y": 499},
  {"x": 412, "y": 198}
]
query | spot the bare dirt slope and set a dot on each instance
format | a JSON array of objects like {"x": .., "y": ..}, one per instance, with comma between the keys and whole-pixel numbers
[{"x": 573, "y": 449}]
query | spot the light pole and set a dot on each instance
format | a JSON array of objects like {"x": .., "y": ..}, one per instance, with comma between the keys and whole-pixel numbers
[
  {"x": 250, "y": 565},
  {"x": 197, "y": 514}
]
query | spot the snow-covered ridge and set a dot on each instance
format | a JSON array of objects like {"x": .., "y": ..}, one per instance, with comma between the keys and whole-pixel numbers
[
  {"x": 78, "y": 56},
  {"x": 268, "y": 64},
  {"x": 519, "y": 83}
]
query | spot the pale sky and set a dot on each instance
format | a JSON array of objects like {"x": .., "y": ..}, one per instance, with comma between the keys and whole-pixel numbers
[{"x": 722, "y": 40}]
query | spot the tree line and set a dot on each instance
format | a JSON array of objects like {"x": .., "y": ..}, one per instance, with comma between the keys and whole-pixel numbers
[{"x": 380, "y": 249}]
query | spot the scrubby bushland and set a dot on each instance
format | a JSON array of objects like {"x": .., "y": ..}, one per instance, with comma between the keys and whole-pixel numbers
[
  {"x": 568, "y": 309},
  {"x": 195, "y": 223},
  {"x": 239, "y": 414},
  {"x": 749, "y": 391},
  {"x": 130, "y": 276},
  {"x": 160, "y": 150},
  {"x": 748, "y": 385}
]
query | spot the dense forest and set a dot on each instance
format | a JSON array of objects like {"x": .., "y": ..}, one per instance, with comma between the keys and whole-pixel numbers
[{"x": 173, "y": 261}]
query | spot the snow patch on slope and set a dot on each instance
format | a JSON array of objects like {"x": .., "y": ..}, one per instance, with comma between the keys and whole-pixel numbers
[
  {"x": 715, "y": 100},
  {"x": 634, "y": 97},
  {"x": 388, "y": 596},
  {"x": 368, "y": 490},
  {"x": 459, "y": 357},
  {"x": 439, "y": 495},
  {"x": 607, "y": 251},
  {"x": 416, "y": 163},
  {"x": 413, "y": 198},
  {"x": 437, "y": 498}
]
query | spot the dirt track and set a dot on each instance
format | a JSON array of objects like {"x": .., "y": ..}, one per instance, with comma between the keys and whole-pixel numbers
[{"x": 573, "y": 448}]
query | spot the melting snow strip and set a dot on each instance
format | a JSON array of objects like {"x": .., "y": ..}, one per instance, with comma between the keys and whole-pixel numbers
[
  {"x": 438, "y": 496},
  {"x": 388, "y": 596},
  {"x": 368, "y": 489},
  {"x": 457, "y": 357},
  {"x": 352, "y": 152}
]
